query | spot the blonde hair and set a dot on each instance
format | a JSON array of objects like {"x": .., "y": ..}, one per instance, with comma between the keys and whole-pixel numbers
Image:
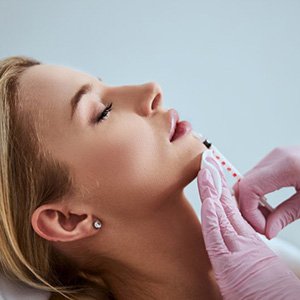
[{"x": 30, "y": 177}]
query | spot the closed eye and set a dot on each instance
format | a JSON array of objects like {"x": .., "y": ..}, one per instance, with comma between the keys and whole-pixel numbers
[{"x": 103, "y": 114}]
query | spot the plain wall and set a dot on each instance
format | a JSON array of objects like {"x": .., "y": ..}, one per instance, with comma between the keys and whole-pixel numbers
[{"x": 229, "y": 67}]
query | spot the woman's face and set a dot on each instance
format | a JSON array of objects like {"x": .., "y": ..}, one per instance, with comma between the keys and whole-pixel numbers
[{"x": 125, "y": 164}]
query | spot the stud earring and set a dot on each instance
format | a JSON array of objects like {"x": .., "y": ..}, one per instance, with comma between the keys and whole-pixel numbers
[{"x": 97, "y": 224}]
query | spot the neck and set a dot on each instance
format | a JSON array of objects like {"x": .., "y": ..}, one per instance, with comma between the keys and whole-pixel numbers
[{"x": 165, "y": 257}]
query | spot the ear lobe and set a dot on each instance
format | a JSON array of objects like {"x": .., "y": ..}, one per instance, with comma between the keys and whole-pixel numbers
[{"x": 53, "y": 223}]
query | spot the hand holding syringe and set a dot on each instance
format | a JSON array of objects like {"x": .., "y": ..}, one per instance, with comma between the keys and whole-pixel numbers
[
  {"x": 244, "y": 266},
  {"x": 225, "y": 163}
]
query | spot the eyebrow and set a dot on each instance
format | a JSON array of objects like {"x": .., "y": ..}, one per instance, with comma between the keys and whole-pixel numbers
[{"x": 86, "y": 88}]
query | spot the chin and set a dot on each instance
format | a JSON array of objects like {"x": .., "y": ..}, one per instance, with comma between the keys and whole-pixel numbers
[{"x": 191, "y": 170}]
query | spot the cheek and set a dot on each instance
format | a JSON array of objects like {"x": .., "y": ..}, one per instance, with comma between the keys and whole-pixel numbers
[
  {"x": 132, "y": 168},
  {"x": 128, "y": 168},
  {"x": 129, "y": 162}
]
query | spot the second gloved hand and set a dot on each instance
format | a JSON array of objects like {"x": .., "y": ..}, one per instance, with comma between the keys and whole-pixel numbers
[
  {"x": 244, "y": 267},
  {"x": 280, "y": 168}
]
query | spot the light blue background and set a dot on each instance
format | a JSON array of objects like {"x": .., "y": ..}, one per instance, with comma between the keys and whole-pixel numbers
[{"x": 229, "y": 67}]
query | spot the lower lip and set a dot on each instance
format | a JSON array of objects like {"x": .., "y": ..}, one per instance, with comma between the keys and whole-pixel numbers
[{"x": 183, "y": 128}]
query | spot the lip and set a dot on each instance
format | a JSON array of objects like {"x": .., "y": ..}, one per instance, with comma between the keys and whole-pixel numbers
[{"x": 173, "y": 120}]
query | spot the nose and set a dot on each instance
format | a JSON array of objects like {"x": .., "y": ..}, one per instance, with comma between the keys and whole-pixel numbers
[{"x": 151, "y": 98}]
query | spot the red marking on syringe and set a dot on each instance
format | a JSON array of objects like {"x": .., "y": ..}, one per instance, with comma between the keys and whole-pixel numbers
[
  {"x": 225, "y": 164},
  {"x": 234, "y": 172}
]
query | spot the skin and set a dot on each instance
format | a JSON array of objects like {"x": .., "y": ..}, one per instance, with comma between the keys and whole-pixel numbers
[{"x": 127, "y": 174}]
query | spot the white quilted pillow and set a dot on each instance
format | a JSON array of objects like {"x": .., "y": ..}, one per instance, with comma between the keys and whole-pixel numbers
[{"x": 15, "y": 291}]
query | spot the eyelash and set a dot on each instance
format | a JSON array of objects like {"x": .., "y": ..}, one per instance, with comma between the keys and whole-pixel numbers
[{"x": 103, "y": 114}]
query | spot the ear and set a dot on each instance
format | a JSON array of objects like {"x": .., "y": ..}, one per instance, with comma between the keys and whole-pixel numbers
[{"x": 54, "y": 222}]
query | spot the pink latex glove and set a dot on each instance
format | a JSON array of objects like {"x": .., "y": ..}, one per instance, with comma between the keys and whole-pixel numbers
[
  {"x": 244, "y": 267},
  {"x": 280, "y": 168}
]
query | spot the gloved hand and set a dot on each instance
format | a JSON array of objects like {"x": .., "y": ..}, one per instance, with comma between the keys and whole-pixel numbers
[
  {"x": 244, "y": 267},
  {"x": 280, "y": 168}
]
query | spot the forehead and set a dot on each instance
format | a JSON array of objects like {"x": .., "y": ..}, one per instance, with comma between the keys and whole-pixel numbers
[
  {"x": 47, "y": 85},
  {"x": 51, "y": 76},
  {"x": 44, "y": 95}
]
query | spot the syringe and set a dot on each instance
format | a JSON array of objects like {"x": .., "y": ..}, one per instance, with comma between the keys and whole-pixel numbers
[{"x": 227, "y": 165}]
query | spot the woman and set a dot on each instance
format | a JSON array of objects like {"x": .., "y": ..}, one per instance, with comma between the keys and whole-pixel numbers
[{"x": 92, "y": 201}]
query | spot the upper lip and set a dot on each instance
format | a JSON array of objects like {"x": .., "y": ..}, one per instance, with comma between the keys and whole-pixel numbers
[{"x": 173, "y": 120}]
